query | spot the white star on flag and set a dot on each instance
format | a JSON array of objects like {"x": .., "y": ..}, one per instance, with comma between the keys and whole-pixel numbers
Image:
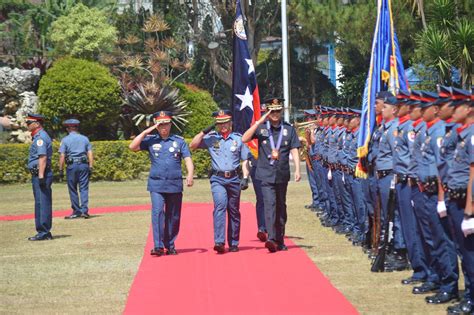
[
  {"x": 251, "y": 67},
  {"x": 247, "y": 99}
]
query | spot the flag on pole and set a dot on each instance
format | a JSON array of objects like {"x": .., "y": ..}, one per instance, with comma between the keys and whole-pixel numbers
[
  {"x": 386, "y": 73},
  {"x": 245, "y": 97}
]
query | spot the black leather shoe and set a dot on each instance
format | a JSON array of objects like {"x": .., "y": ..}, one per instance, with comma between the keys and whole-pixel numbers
[
  {"x": 425, "y": 288},
  {"x": 171, "y": 251},
  {"x": 441, "y": 297},
  {"x": 85, "y": 215},
  {"x": 46, "y": 237},
  {"x": 233, "y": 249},
  {"x": 412, "y": 280},
  {"x": 282, "y": 247},
  {"x": 465, "y": 307},
  {"x": 219, "y": 248},
  {"x": 157, "y": 252},
  {"x": 73, "y": 216},
  {"x": 271, "y": 246},
  {"x": 262, "y": 236}
]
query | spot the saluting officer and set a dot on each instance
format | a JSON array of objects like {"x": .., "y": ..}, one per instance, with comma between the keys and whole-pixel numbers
[
  {"x": 39, "y": 165},
  {"x": 276, "y": 139},
  {"x": 227, "y": 151},
  {"x": 165, "y": 182},
  {"x": 76, "y": 151}
]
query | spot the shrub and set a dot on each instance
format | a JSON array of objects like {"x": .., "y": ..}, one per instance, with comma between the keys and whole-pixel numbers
[
  {"x": 85, "y": 90},
  {"x": 84, "y": 33},
  {"x": 200, "y": 106},
  {"x": 113, "y": 161}
]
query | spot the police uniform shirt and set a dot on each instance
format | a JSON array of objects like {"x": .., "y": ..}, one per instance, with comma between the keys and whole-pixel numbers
[
  {"x": 279, "y": 172},
  {"x": 401, "y": 154},
  {"x": 165, "y": 156},
  {"x": 374, "y": 144},
  {"x": 384, "y": 158},
  {"x": 448, "y": 146},
  {"x": 343, "y": 146},
  {"x": 352, "y": 158},
  {"x": 226, "y": 154},
  {"x": 333, "y": 145},
  {"x": 463, "y": 157},
  {"x": 42, "y": 145},
  {"x": 416, "y": 138},
  {"x": 430, "y": 150},
  {"x": 325, "y": 142},
  {"x": 75, "y": 145}
]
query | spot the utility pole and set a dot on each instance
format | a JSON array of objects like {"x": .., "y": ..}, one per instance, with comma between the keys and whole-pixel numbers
[{"x": 284, "y": 53}]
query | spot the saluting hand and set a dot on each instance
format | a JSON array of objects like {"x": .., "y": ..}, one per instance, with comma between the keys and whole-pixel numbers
[{"x": 264, "y": 117}]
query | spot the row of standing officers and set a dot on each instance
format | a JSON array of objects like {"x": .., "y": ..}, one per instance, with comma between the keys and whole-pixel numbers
[{"x": 422, "y": 152}]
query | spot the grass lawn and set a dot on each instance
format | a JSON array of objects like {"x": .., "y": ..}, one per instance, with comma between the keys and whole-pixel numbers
[{"x": 90, "y": 265}]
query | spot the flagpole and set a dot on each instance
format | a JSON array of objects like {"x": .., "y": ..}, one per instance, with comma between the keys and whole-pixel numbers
[{"x": 284, "y": 52}]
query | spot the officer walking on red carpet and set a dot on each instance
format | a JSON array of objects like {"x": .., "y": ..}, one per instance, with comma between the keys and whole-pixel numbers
[
  {"x": 165, "y": 182},
  {"x": 276, "y": 140},
  {"x": 227, "y": 151}
]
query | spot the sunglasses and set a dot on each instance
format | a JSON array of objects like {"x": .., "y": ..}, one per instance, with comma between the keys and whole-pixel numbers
[{"x": 29, "y": 122}]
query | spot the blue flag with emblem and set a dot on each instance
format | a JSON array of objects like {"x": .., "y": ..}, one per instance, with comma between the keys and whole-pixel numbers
[
  {"x": 386, "y": 73},
  {"x": 245, "y": 97}
]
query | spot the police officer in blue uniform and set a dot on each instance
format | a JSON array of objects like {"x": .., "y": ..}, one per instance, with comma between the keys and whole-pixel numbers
[
  {"x": 277, "y": 140},
  {"x": 39, "y": 165},
  {"x": 457, "y": 188},
  {"x": 76, "y": 151},
  {"x": 309, "y": 117},
  {"x": 442, "y": 253},
  {"x": 165, "y": 182},
  {"x": 227, "y": 151},
  {"x": 401, "y": 161}
]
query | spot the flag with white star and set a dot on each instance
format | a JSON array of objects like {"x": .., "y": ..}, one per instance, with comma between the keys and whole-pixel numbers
[{"x": 245, "y": 97}]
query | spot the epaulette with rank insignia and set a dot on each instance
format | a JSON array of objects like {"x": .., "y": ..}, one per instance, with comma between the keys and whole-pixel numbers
[
  {"x": 238, "y": 134},
  {"x": 179, "y": 137}
]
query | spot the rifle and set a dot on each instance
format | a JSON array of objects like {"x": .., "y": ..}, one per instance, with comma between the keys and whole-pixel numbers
[
  {"x": 378, "y": 264},
  {"x": 376, "y": 222}
]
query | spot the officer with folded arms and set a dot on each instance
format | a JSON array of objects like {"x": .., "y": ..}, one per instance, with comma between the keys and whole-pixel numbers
[
  {"x": 76, "y": 151},
  {"x": 39, "y": 165},
  {"x": 227, "y": 151}
]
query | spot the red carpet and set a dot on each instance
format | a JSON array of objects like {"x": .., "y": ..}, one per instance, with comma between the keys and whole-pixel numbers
[
  {"x": 92, "y": 212},
  {"x": 252, "y": 281}
]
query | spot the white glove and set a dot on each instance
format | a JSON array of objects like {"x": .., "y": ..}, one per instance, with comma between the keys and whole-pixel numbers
[
  {"x": 467, "y": 226},
  {"x": 442, "y": 211},
  {"x": 329, "y": 175},
  {"x": 343, "y": 179}
]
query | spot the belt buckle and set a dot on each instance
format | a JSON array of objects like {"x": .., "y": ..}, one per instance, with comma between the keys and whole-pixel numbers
[{"x": 227, "y": 174}]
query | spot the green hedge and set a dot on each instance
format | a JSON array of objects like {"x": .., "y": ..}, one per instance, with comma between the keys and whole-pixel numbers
[{"x": 113, "y": 161}]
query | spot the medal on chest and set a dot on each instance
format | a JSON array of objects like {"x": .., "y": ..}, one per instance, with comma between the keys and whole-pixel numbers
[
  {"x": 175, "y": 144},
  {"x": 275, "y": 155}
]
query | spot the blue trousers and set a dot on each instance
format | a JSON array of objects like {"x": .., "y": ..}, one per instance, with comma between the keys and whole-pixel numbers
[
  {"x": 384, "y": 188},
  {"x": 441, "y": 248},
  {"x": 274, "y": 199},
  {"x": 465, "y": 245},
  {"x": 323, "y": 195},
  {"x": 425, "y": 233},
  {"x": 411, "y": 232},
  {"x": 43, "y": 204},
  {"x": 78, "y": 176},
  {"x": 226, "y": 195},
  {"x": 332, "y": 204},
  {"x": 257, "y": 187},
  {"x": 165, "y": 218},
  {"x": 338, "y": 194},
  {"x": 360, "y": 205},
  {"x": 347, "y": 207},
  {"x": 312, "y": 184},
  {"x": 370, "y": 191}
]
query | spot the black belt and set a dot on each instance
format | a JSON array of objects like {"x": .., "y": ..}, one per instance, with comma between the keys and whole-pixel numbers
[
  {"x": 401, "y": 179},
  {"x": 383, "y": 173},
  {"x": 225, "y": 174},
  {"x": 79, "y": 160},
  {"x": 412, "y": 181},
  {"x": 430, "y": 185},
  {"x": 457, "y": 193}
]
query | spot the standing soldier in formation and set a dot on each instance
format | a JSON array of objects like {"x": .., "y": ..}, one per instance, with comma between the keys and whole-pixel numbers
[
  {"x": 276, "y": 140},
  {"x": 76, "y": 151},
  {"x": 165, "y": 182},
  {"x": 39, "y": 165},
  {"x": 227, "y": 151}
]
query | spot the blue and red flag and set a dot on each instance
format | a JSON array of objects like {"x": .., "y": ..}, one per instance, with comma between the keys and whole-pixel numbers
[
  {"x": 386, "y": 73},
  {"x": 245, "y": 97}
]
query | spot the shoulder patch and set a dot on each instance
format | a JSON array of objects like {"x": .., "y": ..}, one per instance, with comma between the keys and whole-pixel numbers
[
  {"x": 411, "y": 136},
  {"x": 40, "y": 142},
  {"x": 439, "y": 141},
  {"x": 472, "y": 140}
]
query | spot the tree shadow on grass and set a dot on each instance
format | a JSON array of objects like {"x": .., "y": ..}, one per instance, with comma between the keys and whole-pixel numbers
[{"x": 60, "y": 236}]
